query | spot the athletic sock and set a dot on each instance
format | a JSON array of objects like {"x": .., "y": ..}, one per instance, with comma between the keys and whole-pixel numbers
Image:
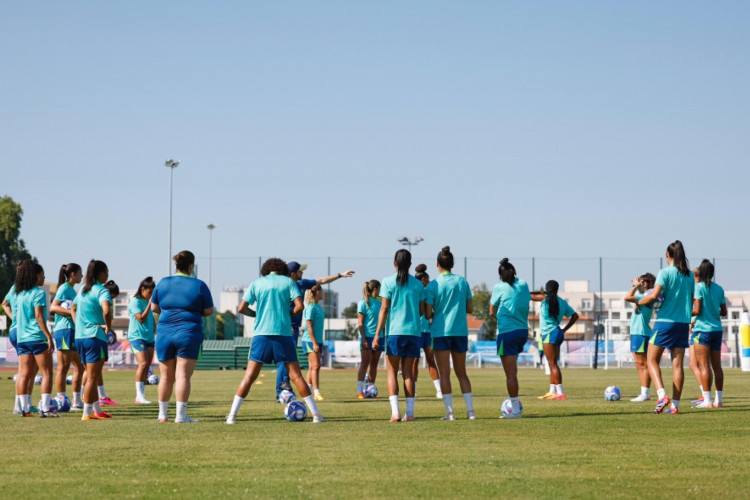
[
  {"x": 181, "y": 410},
  {"x": 676, "y": 403},
  {"x": 394, "y": 405},
  {"x": 360, "y": 386},
  {"x": 88, "y": 409},
  {"x": 552, "y": 389},
  {"x": 102, "y": 392},
  {"x": 706, "y": 396},
  {"x": 310, "y": 402},
  {"x": 515, "y": 405},
  {"x": 97, "y": 406},
  {"x": 469, "y": 399},
  {"x": 45, "y": 401},
  {"x": 645, "y": 392},
  {"x": 139, "y": 388},
  {"x": 26, "y": 401},
  {"x": 436, "y": 383},
  {"x": 559, "y": 389},
  {"x": 661, "y": 393},
  {"x": 719, "y": 395},
  {"x": 448, "y": 402},
  {"x": 236, "y": 405},
  {"x": 77, "y": 401},
  {"x": 18, "y": 405},
  {"x": 410, "y": 406},
  {"x": 163, "y": 409}
]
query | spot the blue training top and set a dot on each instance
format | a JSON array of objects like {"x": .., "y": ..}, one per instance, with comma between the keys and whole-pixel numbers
[{"x": 182, "y": 300}]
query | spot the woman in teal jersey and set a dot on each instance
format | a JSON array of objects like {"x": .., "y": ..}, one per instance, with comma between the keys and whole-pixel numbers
[
  {"x": 312, "y": 338},
  {"x": 672, "y": 327},
  {"x": 420, "y": 272},
  {"x": 92, "y": 314},
  {"x": 141, "y": 335},
  {"x": 640, "y": 331},
  {"x": 35, "y": 344},
  {"x": 692, "y": 358},
  {"x": 551, "y": 312},
  {"x": 447, "y": 301},
  {"x": 368, "y": 310},
  {"x": 399, "y": 318},
  {"x": 708, "y": 307},
  {"x": 64, "y": 332},
  {"x": 510, "y": 301}
]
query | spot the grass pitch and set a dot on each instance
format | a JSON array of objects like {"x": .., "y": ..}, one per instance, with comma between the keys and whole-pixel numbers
[{"x": 583, "y": 447}]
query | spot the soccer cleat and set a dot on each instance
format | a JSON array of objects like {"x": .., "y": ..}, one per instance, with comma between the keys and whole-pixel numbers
[
  {"x": 163, "y": 420},
  {"x": 231, "y": 419},
  {"x": 286, "y": 386},
  {"x": 449, "y": 416},
  {"x": 513, "y": 415},
  {"x": 48, "y": 414},
  {"x": 33, "y": 409},
  {"x": 318, "y": 419},
  {"x": 718, "y": 404},
  {"x": 76, "y": 408},
  {"x": 697, "y": 401},
  {"x": 396, "y": 417},
  {"x": 471, "y": 415},
  {"x": 142, "y": 401},
  {"x": 705, "y": 404},
  {"x": 103, "y": 416},
  {"x": 185, "y": 420},
  {"x": 26, "y": 414},
  {"x": 549, "y": 395},
  {"x": 559, "y": 396},
  {"x": 673, "y": 410},
  {"x": 360, "y": 395},
  {"x": 107, "y": 401},
  {"x": 408, "y": 418},
  {"x": 86, "y": 418},
  {"x": 640, "y": 398},
  {"x": 319, "y": 397},
  {"x": 662, "y": 404},
  {"x": 16, "y": 411}
]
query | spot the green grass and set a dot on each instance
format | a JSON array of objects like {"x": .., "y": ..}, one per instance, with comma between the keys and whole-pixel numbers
[{"x": 581, "y": 447}]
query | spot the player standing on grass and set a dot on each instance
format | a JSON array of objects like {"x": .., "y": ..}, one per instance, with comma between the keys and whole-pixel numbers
[
  {"x": 420, "y": 272},
  {"x": 399, "y": 318},
  {"x": 672, "y": 326},
  {"x": 313, "y": 337},
  {"x": 64, "y": 332},
  {"x": 273, "y": 341},
  {"x": 551, "y": 312},
  {"x": 708, "y": 307},
  {"x": 447, "y": 301},
  {"x": 510, "y": 301},
  {"x": 640, "y": 331},
  {"x": 692, "y": 357},
  {"x": 368, "y": 311},
  {"x": 141, "y": 335}
]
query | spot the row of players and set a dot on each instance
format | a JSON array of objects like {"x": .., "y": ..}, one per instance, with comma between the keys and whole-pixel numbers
[{"x": 393, "y": 318}]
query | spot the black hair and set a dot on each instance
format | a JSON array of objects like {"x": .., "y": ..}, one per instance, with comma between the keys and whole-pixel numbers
[
  {"x": 445, "y": 258},
  {"x": 367, "y": 290},
  {"x": 113, "y": 289},
  {"x": 420, "y": 272},
  {"x": 402, "y": 259},
  {"x": 95, "y": 268},
  {"x": 506, "y": 271},
  {"x": 27, "y": 276},
  {"x": 274, "y": 265},
  {"x": 706, "y": 272},
  {"x": 66, "y": 271},
  {"x": 649, "y": 279},
  {"x": 183, "y": 261},
  {"x": 148, "y": 283},
  {"x": 677, "y": 253},
  {"x": 553, "y": 304}
]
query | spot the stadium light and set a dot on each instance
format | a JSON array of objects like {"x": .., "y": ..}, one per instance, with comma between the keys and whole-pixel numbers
[
  {"x": 172, "y": 164},
  {"x": 211, "y": 228},
  {"x": 405, "y": 241}
]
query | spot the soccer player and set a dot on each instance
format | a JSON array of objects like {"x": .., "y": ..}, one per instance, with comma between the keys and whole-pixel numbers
[
  {"x": 312, "y": 338},
  {"x": 65, "y": 332},
  {"x": 273, "y": 341},
  {"x": 692, "y": 357},
  {"x": 640, "y": 331},
  {"x": 92, "y": 314},
  {"x": 368, "y": 311},
  {"x": 708, "y": 306},
  {"x": 551, "y": 312},
  {"x": 420, "y": 272},
  {"x": 183, "y": 302},
  {"x": 35, "y": 344},
  {"x": 399, "y": 318},
  {"x": 672, "y": 326},
  {"x": 447, "y": 301},
  {"x": 141, "y": 335},
  {"x": 510, "y": 302}
]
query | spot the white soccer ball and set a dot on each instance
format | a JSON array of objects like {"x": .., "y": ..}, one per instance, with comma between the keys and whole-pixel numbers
[
  {"x": 38, "y": 380},
  {"x": 612, "y": 393},
  {"x": 69, "y": 380},
  {"x": 66, "y": 304},
  {"x": 371, "y": 391},
  {"x": 295, "y": 411},
  {"x": 286, "y": 396},
  {"x": 507, "y": 407},
  {"x": 152, "y": 380}
]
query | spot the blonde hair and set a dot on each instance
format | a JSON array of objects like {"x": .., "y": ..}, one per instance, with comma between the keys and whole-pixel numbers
[
  {"x": 370, "y": 286},
  {"x": 310, "y": 294}
]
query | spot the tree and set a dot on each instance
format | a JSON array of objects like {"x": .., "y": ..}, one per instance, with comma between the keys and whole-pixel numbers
[
  {"x": 352, "y": 330},
  {"x": 481, "y": 299},
  {"x": 12, "y": 248},
  {"x": 350, "y": 311}
]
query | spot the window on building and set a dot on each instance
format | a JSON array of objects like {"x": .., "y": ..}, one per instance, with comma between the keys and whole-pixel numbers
[
  {"x": 586, "y": 304},
  {"x": 615, "y": 315}
]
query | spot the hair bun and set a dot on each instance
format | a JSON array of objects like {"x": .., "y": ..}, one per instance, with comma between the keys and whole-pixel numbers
[
  {"x": 446, "y": 249},
  {"x": 421, "y": 268},
  {"x": 504, "y": 261}
]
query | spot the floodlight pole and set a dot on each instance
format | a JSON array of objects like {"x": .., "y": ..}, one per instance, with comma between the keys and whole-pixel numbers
[
  {"x": 211, "y": 228},
  {"x": 406, "y": 242},
  {"x": 172, "y": 164}
]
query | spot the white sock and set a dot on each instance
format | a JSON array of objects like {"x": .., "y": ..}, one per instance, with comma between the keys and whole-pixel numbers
[
  {"x": 394, "y": 405},
  {"x": 676, "y": 403},
  {"x": 102, "y": 392},
  {"x": 77, "y": 401},
  {"x": 316, "y": 392},
  {"x": 436, "y": 383},
  {"x": 719, "y": 394},
  {"x": 18, "y": 406},
  {"x": 181, "y": 410},
  {"x": 469, "y": 399},
  {"x": 236, "y": 405},
  {"x": 514, "y": 405},
  {"x": 706, "y": 396},
  {"x": 448, "y": 402},
  {"x": 661, "y": 393},
  {"x": 552, "y": 389},
  {"x": 45, "y": 401},
  {"x": 88, "y": 409},
  {"x": 410, "y": 406},
  {"x": 97, "y": 406},
  {"x": 163, "y": 409},
  {"x": 26, "y": 401},
  {"x": 360, "y": 386},
  {"x": 310, "y": 402},
  {"x": 645, "y": 391},
  {"x": 559, "y": 389},
  {"x": 139, "y": 388},
  {"x": 701, "y": 389}
]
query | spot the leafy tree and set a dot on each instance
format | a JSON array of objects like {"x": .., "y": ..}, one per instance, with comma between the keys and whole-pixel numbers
[
  {"x": 12, "y": 248},
  {"x": 350, "y": 311},
  {"x": 481, "y": 299},
  {"x": 352, "y": 330}
]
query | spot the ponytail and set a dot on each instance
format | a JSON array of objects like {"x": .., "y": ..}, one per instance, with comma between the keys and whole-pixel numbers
[
  {"x": 445, "y": 258},
  {"x": 706, "y": 272},
  {"x": 95, "y": 268},
  {"x": 66, "y": 270},
  {"x": 507, "y": 272},
  {"x": 553, "y": 304},
  {"x": 677, "y": 253},
  {"x": 403, "y": 263},
  {"x": 310, "y": 293},
  {"x": 370, "y": 286}
]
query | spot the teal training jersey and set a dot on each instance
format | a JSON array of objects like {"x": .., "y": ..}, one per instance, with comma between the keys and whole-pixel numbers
[
  {"x": 711, "y": 297},
  {"x": 273, "y": 295},
  {"x": 10, "y": 297},
  {"x": 370, "y": 313},
  {"x": 314, "y": 313},
  {"x": 27, "y": 327},
  {"x": 448, "y": 295},
  {"x": 64, "y": 292},
  {"x": 137, "y": 330},
  {"x": 89, "y": 312},
  {"x": 640, "y": 321},
  {"x": 678, "y": 295},
  {"x": 403, "y": 312},
  {"x": 512, "y": 303},
  {"x": 547, "y": 323}
]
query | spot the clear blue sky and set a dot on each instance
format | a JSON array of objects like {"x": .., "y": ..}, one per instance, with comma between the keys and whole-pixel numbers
[{"x": 308, "y": 129}]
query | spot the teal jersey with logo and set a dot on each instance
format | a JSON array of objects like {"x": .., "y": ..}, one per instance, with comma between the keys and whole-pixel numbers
[
  {"x": 640, "y": 321},
  {"x": 64, "y": 292},
  {"x": 370, "y": 312},
  {"x": 512, "y": 303},
  {"x": 273, "y": 294},
  {"x": 137, "y": 330},
  {"x": 27, "y": 328},
  {"x": 712, "y": 298},
  {"x": 448, "y": 295},
  {"x": 90, "y": 314},
  {"x": 678, "y": 295},
  {"x": 403, "y": 313},
  {"x": 314, "y": 313},
  {"x": 547, "y": 323}
]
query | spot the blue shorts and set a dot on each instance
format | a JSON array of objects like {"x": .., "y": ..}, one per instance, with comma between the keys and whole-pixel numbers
[
  {"x": 511, "y": 343},
  {"x": 34, "y": 347},
  {"x": 671, "y": 335},
  {"x": 92, "y": 350},
  {"x": 453, "y": 343},
  {"x": 307, "y": 347},
  {"x": 639, "y": 344},
  {"x": 426, "y": 340},
  {"x": 183, "y": 345},
  {"x": 369, "y": 343},
  {"x": 13, "y": 337},
  {"x": 65, "y": 340},
  {"x": 556, "y": 336},
  {"x": 273, "y": 349},
  {"x": 140, "y": 345},
  {"x": 406, "y": 346},
  {"x": 711, "y": 340}
]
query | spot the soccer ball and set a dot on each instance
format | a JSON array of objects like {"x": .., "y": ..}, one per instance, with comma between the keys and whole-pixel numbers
[
  {"x": 15, "y": 377},
  {"x": 65, "y": 304},
  {"x": 295, "y": 411},
  {"x": 286, "y": 397},
  {"x": 612, "y": 393},
  {"x": 69, "y": 380},
  {"x": 371, "y": 391},
  {"x": 52, "y": 405},
  {"x": 507, "y": 408},
  {"x": 111, "y": 337},
  {"x": 38, "y": 380},
  {"x": 152, "y": 379},
  {"x": 63, "y": 403},
  {"x": 150, "y": 370}
]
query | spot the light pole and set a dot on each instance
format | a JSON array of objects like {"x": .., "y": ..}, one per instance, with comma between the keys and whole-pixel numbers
[
  {"x": 172, "y": 164},
  {"x": 211, "y": 228},
  {"x": 405, "y": 241}
]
